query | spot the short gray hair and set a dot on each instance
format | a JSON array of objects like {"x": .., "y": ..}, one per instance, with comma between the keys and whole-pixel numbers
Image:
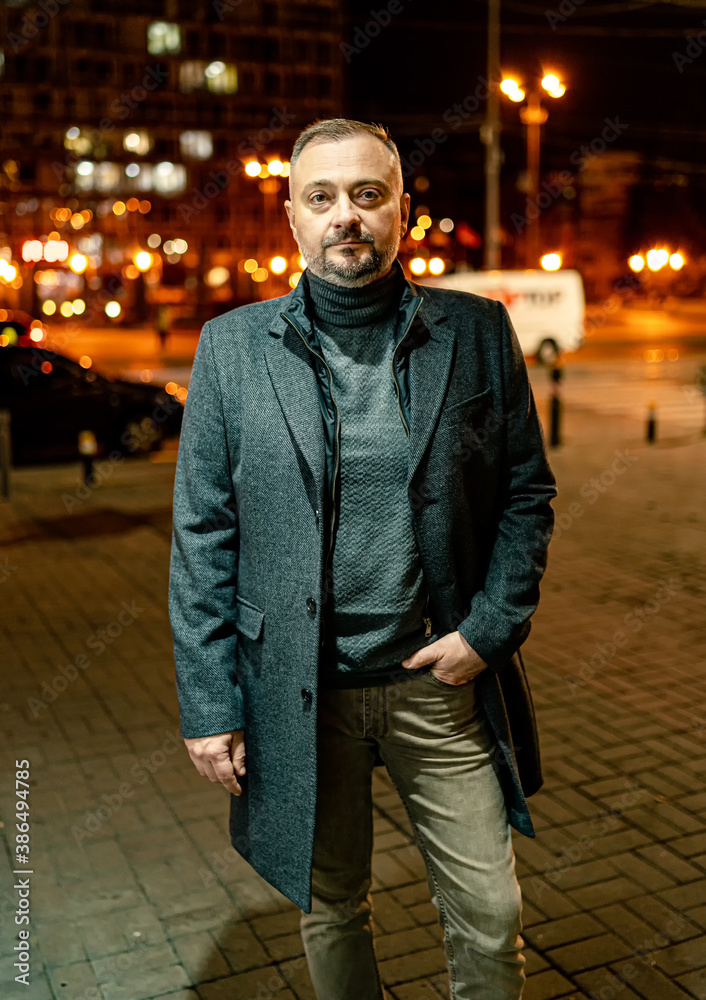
[{"x": 338, "y": 129}]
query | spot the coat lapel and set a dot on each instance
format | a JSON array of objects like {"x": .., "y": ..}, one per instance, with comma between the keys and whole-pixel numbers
[
  {"x": 293, "y": 377},
  {"x": 430, "y": 361}
]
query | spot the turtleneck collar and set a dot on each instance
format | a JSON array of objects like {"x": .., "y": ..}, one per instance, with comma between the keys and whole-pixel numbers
[{"x": 337, "y": 306}]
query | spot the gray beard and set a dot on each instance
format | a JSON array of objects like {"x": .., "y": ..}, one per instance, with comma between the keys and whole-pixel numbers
[{"x": 356, "y": 270}]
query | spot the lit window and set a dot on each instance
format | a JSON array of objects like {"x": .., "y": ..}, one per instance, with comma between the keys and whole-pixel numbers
[
  {"x": 139, "y": 142},
  {"x": 217, "y": 76},
  {"x": 192, "y": 75},
  {"x": 73, "y": 139},
  {"x": 198, "y": 145},
  {"x": 222, "y": 78},
  {"x": 169, "y": 178},
  {"x": 107, "y": 176},
  {"x": 163, "y": 38}
]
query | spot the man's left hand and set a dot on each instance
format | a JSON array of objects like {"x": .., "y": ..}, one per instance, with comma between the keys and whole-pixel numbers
[{"x": 455, "y": 660}]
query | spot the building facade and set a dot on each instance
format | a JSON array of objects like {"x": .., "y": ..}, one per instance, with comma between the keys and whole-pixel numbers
[{"x": 136, "y": 128}]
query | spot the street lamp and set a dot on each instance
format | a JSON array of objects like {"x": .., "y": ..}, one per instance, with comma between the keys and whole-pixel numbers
[{"x": 533, "y": 115}]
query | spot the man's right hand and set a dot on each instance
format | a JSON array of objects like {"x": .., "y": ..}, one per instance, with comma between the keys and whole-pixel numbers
[{"x": 219, "y": 758}]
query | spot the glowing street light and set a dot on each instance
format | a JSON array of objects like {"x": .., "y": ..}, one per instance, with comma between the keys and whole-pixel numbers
[
  {"x": 676, "y": 261},
  {"x": 512, "y": 89},
  {"x": 417, "y": 265},
  {"x": 553, "y": 85},
  {"x": 143, "y": 260},
  {"x": 636, "y": 263},
  {"x": 551, "y": 261},
  {"x": 78, "y": 263},
  {"x": 656, "y": 259},
  {"x": 278, "y": 265},
  {"x": 436, "y": 265}
]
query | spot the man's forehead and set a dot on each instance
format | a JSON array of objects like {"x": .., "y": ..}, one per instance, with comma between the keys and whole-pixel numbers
[{"x": 358, "y": 159}]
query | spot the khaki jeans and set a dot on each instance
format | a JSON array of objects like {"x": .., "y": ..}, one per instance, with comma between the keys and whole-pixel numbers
[{"x": 439, "y": 752}]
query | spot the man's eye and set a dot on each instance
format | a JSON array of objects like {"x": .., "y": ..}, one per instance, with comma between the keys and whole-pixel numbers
[
  {"x": 371, "y": 193},
  {"x": 315, "y": 196}
]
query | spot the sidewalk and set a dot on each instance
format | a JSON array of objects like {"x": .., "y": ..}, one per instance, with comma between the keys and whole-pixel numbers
[{"x": 135, "y": 891}]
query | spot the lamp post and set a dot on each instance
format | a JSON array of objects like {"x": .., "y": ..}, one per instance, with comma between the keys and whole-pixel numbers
[
  {"x": 490, "y": 135},
  {"x": 533, "y": 115}
]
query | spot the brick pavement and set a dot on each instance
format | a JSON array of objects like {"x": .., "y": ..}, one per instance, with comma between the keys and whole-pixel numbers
[{"x": 136, "y": 892}]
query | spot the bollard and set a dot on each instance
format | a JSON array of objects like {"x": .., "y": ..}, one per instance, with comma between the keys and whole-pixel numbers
[
  {"x": 701, "y": 383},
  {"x": 5, "y": 454},
  {"x": 87, "y": 446},
  {"x": 555, "y": 407},
  {"x": 651, "y": 432}
]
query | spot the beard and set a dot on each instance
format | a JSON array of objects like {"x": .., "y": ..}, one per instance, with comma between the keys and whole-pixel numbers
[{"x": 352, "y": 266}]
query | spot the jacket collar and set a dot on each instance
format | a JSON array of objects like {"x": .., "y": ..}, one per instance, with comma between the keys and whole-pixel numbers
[{"x": 296, "y": 305}]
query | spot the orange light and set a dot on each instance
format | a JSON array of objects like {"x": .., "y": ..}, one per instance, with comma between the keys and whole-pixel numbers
[{"x": 85, "y": 361}]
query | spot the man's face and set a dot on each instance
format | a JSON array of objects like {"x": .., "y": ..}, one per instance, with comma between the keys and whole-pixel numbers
[{"x": 347, "y": 210}]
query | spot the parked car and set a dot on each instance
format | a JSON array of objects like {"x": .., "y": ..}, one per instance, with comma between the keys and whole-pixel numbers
[
  {"x": 52, "y": 400},
  {"x": 547, "y": 308}
]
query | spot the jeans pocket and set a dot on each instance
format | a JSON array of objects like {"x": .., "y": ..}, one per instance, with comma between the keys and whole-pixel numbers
[{"x": 439, "y": 683}]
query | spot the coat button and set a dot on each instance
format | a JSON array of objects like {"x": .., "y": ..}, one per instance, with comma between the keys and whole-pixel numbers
[
  {"x": 307, "y": 697},
  {"x": 311, "y": 605}
]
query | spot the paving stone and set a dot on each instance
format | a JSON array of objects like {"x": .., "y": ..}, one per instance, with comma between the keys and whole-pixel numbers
[
  {"x": 241, "y": 947},
  {"x": 201, "y": 957},
  {"x": 564, "y": 931},
  {"x": 641, "y": 872},
  {"x": 601, "y": 893},
  {"x": 60, "y": 943},
  {"x": 389, "y": 914},
  {"x": 403, "y": 942},
  {"x": 695, "y": 982},
  {"x": 609, "y": 982},
  {"x": 683, "y": 896},
  {"x": 654, "y": 985},
  {"x": 248, "y": 986},
  {"x": 422, "y": 989},
  {"x": 414, "y": 966},
  {"x": 547, "y": 986},
  {"x": 687, "y": 956},
  {"x": 670, "y": 862},
  {"x": 592, "y": 952}
]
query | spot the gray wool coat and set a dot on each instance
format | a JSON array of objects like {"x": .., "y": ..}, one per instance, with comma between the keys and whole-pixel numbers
[{"x": 253, "y": 497}]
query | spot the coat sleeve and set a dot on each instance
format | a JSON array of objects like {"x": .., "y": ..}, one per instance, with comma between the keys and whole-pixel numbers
[
  {"x": 499, "y": 618},
  {"x": 204, "y": 560}
]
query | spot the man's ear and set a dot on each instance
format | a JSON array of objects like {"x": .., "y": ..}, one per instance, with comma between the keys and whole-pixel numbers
[
  {"x": 405, "y": 203},
  {"x": 289, "y": 209}
]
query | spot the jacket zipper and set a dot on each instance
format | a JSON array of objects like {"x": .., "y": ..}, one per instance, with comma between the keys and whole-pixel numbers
[
  {"x": 394, "y": 378},
  {"x": 426, "y": 619},
  {"x": 338, "y": 449}
]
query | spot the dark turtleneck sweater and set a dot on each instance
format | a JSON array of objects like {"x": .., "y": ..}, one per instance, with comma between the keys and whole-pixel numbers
[{"x": 374, "y": 614}]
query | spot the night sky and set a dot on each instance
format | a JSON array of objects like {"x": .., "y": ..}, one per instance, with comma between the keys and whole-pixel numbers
[{"x": 616, "y": 59}]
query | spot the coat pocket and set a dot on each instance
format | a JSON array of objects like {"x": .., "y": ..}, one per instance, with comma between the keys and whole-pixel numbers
[
  {"x": 459, "y": 412},
  {"x": 248, "y": 618}
]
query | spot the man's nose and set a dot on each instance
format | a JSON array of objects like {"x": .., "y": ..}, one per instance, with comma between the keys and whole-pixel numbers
[{"x": 346, "y": 214}]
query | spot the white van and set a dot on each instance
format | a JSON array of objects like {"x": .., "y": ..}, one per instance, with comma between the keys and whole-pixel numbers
[{"x": 547, "y": 308}]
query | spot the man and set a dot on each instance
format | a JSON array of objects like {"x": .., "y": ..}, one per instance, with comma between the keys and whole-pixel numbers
[{"x": 361, "y": 514}]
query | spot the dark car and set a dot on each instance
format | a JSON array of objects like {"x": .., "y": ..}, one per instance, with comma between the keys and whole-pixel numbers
[{"x": 53, "y": 402}]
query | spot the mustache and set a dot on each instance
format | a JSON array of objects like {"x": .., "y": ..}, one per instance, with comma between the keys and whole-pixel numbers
[{"x": 346, "y": 237}]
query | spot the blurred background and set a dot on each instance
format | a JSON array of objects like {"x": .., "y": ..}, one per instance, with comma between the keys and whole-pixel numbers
[{"x": 555, "y": 155}]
